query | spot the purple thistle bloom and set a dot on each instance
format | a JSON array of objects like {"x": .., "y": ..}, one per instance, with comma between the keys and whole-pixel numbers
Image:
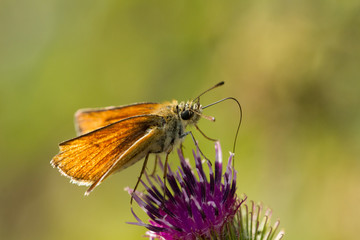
[{"x": 196, "y": 207}]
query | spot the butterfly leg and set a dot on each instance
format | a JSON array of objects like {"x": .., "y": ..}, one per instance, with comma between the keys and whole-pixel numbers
[
  {"x": 209, "y": 138},
  {"x": 141, "y": 173},
  {"x": 196, "y": 144},
  {"x": 155, "y": 166},
  {"x": 165, "y": 173},
  {"x": 182, "y": 149}
]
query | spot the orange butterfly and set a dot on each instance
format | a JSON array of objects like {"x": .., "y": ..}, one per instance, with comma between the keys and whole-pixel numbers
[{"x": 114, "y": 138}]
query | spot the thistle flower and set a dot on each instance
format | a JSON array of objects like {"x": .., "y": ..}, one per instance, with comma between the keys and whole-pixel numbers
[{"x": 198, "y": 207}]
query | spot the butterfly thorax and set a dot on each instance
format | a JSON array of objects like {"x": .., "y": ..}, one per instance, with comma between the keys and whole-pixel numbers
[{"x": 177, "y": 117}]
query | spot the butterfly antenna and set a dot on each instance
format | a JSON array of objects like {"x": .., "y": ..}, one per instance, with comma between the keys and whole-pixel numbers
[
  {"x": 240, "y": 116},
  {"x": 215, "y": 86}
]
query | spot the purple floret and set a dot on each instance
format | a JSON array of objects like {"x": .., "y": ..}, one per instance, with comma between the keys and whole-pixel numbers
[{"x": 196, "y": 206}]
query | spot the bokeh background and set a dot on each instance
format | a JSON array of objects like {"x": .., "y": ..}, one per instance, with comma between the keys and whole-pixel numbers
[{"x": 293, "y": 65}]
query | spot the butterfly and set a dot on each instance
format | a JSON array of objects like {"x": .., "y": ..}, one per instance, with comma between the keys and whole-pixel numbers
[{"x": 114, "y": 138}]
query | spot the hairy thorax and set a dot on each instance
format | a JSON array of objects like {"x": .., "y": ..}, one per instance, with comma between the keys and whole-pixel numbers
[{"x": 176, "y": 118}]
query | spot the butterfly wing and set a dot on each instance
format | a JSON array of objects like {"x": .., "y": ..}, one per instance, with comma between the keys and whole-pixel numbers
[
  {"x": 90, "y": 158},
  {"x": 87, "y": 120}
]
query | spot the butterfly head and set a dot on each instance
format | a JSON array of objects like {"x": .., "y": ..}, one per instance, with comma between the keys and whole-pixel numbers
[{"x": 189, "y": 112}]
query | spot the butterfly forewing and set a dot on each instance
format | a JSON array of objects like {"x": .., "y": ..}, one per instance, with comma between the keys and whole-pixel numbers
[
  {"x": 87, "y": 120},
  {"x": 87, "y": 158}
]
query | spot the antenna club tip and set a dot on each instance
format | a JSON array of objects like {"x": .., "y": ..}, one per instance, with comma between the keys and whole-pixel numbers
[{"x": 220, "y": 83}]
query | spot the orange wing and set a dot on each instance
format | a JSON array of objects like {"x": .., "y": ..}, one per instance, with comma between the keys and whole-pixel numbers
[
  {"x": 90, "y": 158},
  {"x": 87, "y": 120}
]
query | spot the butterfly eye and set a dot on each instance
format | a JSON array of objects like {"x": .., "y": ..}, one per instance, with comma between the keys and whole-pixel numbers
[{"x": 186, "y": 115}]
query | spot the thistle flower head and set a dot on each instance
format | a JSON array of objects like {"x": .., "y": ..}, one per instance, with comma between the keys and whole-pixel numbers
[{"x": 195, "y": 206}]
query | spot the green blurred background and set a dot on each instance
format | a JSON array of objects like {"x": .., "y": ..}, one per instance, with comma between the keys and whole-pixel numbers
[{"x": 293, "y": 65}]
